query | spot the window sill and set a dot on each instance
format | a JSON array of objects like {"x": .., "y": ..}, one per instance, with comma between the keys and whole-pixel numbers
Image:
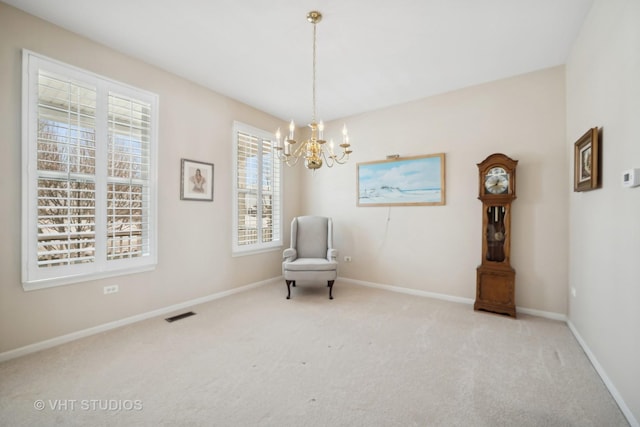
[
  {"x": 236, "y": 254},
  {"x": 70, "y": 280}
]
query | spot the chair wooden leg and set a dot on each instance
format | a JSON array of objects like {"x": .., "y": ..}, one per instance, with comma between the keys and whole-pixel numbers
[
  {"x": 289, "y": 288},
  {"x": 330, "y": 289}
]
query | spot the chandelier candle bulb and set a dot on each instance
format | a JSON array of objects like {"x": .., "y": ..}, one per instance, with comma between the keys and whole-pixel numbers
[
  {"x": 292, "y": 128},
  {"x": 320, "y": 130}
]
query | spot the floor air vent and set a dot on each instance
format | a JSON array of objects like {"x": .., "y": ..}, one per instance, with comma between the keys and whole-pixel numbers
[{"x": 179, "y": 316}]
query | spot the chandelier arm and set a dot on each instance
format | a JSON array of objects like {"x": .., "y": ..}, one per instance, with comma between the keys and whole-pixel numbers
[
  {"x": 344, "y": 157},
  {"x": 329, "y": 159},
  {"x": 280, "y": 156},
  {"x": 292, "y": 163},
  {"x": 299, "y": 150}
]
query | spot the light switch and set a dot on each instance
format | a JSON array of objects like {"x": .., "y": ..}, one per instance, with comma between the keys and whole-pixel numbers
[{"x": 631, "y": 178}]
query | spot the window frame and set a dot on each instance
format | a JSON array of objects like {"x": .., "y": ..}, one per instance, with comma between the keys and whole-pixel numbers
[
  {"x": 276, "y": 243},
  {"x": 33, "y": 276}
]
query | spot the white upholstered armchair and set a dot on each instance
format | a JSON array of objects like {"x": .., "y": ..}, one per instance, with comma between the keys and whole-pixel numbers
[{"x": 311, "y": 255}]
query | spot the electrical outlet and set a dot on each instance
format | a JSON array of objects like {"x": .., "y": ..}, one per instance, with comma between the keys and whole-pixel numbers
[
  {"x": 573, "y": 291},
  {"x": 347, "y": 259},
  {"x": 111, "y": 289}
]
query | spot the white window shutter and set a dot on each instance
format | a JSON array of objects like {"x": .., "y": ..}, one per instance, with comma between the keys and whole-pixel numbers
[
  {"x": 257, "y": 191},
  {"x": 89, "y": 168}
]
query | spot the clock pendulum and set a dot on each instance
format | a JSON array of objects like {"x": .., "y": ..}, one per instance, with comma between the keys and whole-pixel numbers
[{"x": 495, "y": 278}]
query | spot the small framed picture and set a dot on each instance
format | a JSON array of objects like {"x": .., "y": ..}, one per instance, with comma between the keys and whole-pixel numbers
[
  {"x": 196, "y": 180},
  {"x": 587, "y": 162}
]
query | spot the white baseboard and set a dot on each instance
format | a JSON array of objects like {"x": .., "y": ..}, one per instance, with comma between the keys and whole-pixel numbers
[
  {"x": 539, "y": 313},
  {"x": 42, "y": 345},
  {"x": 605, "y": 378},
  {"x": 408, "y": 291}
]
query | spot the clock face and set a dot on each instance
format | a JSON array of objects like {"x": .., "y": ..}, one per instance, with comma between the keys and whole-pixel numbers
[{"x": 496, "y": 181}]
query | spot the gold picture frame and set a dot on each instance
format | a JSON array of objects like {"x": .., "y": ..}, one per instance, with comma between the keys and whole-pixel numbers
[
  {"x": 586, "y": 156},
  {"x": 402, "y": 181}
]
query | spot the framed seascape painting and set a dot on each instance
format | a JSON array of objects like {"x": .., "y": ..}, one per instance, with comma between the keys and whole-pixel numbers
[
  {"x": 403, "y": 181},
  {"x": 196, "y": 180},
  {"x": 586, "y": 174}
]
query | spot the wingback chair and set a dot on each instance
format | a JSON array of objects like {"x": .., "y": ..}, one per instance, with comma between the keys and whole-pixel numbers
[{"x": 311, "y": 256}]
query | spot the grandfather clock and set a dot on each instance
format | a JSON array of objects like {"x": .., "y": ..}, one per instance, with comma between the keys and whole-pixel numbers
[{"x": 495, "y": 279}]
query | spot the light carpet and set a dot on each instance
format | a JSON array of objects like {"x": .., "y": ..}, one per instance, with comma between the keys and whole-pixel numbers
[{"x": 370, "y": 357}]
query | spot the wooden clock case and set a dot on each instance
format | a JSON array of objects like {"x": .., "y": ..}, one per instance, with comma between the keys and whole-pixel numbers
[{"x": 495, "y": 279}]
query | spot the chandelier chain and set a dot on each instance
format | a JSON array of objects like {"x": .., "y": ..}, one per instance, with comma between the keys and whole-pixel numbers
[{"x": 314, "y": 73}]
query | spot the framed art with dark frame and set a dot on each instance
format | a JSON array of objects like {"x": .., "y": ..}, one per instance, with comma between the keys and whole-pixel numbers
[
  {"x": 402, "y": 181},
  {"x": 586, "y": 156},
  {"x": 196, "y": 180}
]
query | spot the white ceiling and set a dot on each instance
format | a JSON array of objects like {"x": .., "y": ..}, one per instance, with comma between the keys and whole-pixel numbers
[{"x": 371, "y": 53}]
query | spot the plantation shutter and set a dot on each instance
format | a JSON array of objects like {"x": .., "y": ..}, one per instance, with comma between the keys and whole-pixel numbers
[
  {"x": 128, "y": 177},
  {"x": 270, "y": 192},
  {"x": 88, "y": 175},
  {"x": 258, "y": 183},
  {"x": 247, "y": 187},
  {"x": 66, "y": 182}
]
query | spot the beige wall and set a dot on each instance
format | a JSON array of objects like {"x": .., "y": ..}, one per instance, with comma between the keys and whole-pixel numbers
[
  {"x": 437, "y": 249},
  {"x": 603, "y": 89},
  {"x": 194, "y": 237}
]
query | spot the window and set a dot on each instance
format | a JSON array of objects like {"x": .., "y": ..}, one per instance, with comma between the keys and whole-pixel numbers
[
  {"x": 89, "y": 196},
  {"x": 257, "y": 207}
]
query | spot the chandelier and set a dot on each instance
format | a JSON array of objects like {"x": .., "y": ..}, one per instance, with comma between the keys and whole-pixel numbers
[{"x": 313, "y": 150}]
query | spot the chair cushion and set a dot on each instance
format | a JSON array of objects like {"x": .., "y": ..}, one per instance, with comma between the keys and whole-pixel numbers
[
  {"x": 312, "y": 237},
  {"x": 310, "y": 264}
]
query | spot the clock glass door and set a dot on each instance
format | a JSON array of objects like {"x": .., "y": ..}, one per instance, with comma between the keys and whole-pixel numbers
[{"x": 495, "y": 233}]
